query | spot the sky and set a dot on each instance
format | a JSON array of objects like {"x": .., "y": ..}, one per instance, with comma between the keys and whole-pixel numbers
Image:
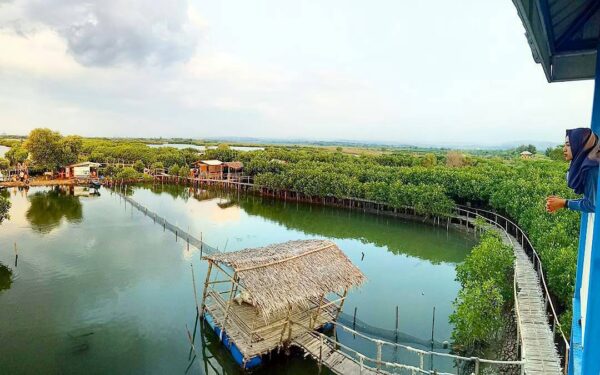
[{"x": 398, "y": 71}]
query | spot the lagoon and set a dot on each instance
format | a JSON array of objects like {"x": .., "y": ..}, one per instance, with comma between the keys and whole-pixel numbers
[{"x": 100, "y": 288}]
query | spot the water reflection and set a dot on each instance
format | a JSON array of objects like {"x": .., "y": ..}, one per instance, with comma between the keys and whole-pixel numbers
[
  {"x": 5, "y": 277},
  {"x": 216, "y": 359},
  {"x": 48, "y": 208},
  {"x": 399, "y": 238}
]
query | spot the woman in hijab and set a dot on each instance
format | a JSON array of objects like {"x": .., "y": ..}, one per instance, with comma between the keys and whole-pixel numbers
[{"x": 581, "y": 150}]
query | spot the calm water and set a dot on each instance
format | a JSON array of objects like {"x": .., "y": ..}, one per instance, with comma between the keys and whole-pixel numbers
[
  {"x": 100, "y": 288},
  {"x": 203, "y": 148}
]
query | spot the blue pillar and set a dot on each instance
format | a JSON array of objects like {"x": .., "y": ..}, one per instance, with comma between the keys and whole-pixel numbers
[
  {"x": 575, "y": 351},
  {"x": 580, "y": 253},
  {"x": 590, "y": 363}
]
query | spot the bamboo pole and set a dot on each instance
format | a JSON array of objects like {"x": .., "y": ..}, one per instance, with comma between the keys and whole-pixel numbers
[
  {"x": 193, "y": 347},
  {"x": 312, "y": 323},
  {"x": 343, "y": 299},
  {"x": 203, "y": 305},
  {"x": 287, "y": 320},
  {"x": 231, "y": 293}
]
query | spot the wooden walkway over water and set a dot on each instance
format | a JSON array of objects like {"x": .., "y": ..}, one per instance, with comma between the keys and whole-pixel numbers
[
  {"x": 537, "y": 340},
  {"x": 538, "y": 348}
]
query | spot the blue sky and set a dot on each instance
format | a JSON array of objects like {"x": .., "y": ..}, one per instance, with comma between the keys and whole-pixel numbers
[{"x": 399, "y": 71}]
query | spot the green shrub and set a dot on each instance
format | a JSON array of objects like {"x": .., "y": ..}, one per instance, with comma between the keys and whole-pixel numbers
[
  {"x": 4, "y": 208},
  {"x": 174, "y": 170},
  {"x": 127, "y": 173},
  {"x": 139, "y": 166},
  {"x": 478, "y": 315},
  {"x": 491, "y": 260}
]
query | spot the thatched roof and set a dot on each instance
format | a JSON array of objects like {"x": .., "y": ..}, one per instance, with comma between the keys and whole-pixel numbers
[
  {"x": 290, "y": 273},
  {"x": 234, "y": 164}
]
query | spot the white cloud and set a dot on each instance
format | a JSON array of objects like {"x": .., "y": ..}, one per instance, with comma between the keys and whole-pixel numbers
[{"x": 113, "y": 32}]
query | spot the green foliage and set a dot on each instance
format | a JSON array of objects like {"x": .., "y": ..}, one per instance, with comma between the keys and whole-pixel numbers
[
  {"x": 555, "y": 153},
  {"x": 477, "y": 317},
  {"x": 44, "y": 148},
  {"x": 157, "y": 165},
  {"x": 174, "y": 170},
  {"x": 491, "y": 260},
  {"x": 223, "y": 153},
  {"x": 429, "y": 160},
  {"x": 139, "y": 166},
  {"x": 127, "y": 173},
  {"x": 486, "y": 277},
  {"x": 49, "y": 150},
  {"x": 4, "y": 208},
  {"x": 70, "y": 148},
  {"x": 17, "y": 154},
  {"x": 184, "y": 171},
  {"x": 4, "y": 163}
]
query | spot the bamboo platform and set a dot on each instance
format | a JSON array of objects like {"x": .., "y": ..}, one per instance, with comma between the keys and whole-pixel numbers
[
  {"x": 332, "y": 358},
  {"x": 249, "y": 331}
]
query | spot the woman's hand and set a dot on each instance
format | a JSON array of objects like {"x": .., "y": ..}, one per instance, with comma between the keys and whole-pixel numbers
[{"x": 554, "y": 204}]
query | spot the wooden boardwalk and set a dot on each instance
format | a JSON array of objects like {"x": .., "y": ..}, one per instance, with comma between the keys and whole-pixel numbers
[
  {"x": 332, "y": 358},
  {"x": 538, "y": 349}
]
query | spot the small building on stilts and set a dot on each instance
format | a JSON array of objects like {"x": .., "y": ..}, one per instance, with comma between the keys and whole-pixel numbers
[{"x": 259, "y": 300}]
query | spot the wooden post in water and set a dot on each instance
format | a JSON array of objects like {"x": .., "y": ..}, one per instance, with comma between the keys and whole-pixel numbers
[
  {"x": 432, "y": 328},
  {"x": 16, "y": 256},
  {"x": 201, "y": 246},
  {"x": 354, "y": 322},
  {"x": 396, "y": 323},
  {"x": 205, "y": 287}
]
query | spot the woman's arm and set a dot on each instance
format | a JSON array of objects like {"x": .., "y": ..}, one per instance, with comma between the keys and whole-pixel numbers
[{"x": 584, "y": 205}]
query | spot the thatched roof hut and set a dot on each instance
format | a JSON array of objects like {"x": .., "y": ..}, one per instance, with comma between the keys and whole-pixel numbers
[
  {"x": 234, "y": 165},
  {"x": 290, "y": 274}
]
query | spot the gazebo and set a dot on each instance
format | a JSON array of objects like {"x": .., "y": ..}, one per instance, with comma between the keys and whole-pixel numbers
[
  {"x": 257, "y": 300},
  {"x": 564, "y": 39}
]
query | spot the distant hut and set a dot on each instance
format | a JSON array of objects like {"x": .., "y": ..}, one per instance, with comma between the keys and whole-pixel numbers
[
  {"x": 526, "y": 155},
  {"x": 82, "y": 170},
  {"x": 232, "y": 170},
  {"x": 257, "y": 300},
  {"x": 212, "y": 169}
]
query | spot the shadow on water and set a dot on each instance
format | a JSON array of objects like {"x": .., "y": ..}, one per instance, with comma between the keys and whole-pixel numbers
[
  {"x": 48, "y": 208},
  {"x": 332, "y": 222},
  {"x": 5, "y": 277},
  {"x": 215, "y": 359},
  {"x": 399, "y": 238}
]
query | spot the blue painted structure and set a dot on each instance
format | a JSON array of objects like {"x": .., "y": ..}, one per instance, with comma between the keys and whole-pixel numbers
[
  {"x": 230, "y": 345},
  {"x": 233, "y": 349},
  {"x": 564, "y": 36}
]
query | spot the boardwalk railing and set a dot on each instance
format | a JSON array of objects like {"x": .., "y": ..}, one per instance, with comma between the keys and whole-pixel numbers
[
  {"x": 378, "y": 364},
  {"x": 510, "y": 227},
  {"x": 121, "y": 190}
]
